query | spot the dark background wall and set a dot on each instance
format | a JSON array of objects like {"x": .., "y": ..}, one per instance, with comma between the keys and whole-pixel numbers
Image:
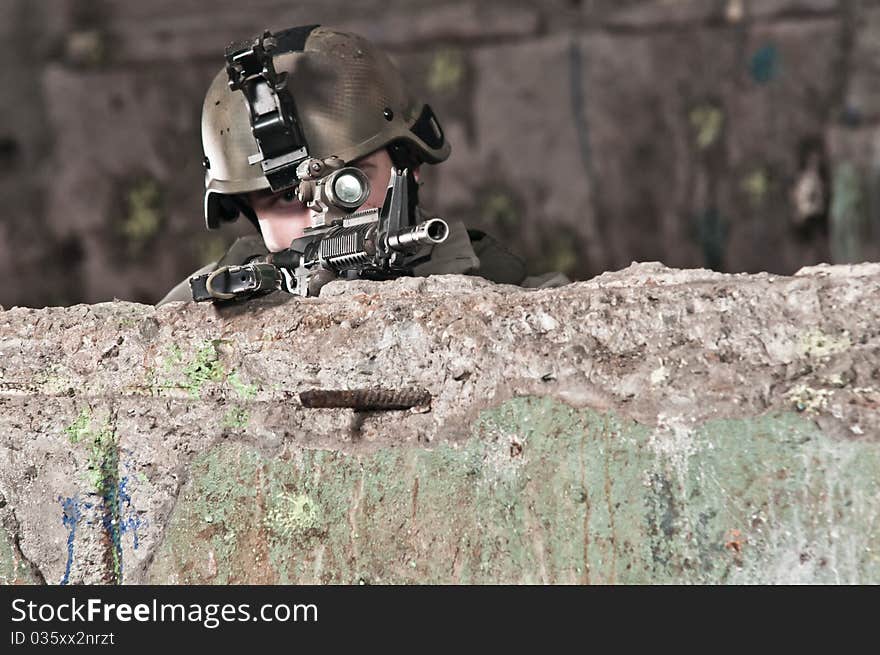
[{"x": 740, "y": 135}]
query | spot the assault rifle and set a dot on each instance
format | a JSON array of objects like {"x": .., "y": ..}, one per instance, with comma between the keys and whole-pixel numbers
[{"x": 373, "y": 244}]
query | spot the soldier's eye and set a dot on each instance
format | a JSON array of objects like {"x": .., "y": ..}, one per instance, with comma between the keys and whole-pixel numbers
[{"x": 289, "y": 196}]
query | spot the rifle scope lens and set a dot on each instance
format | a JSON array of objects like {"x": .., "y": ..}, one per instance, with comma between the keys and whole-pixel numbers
[{"x": 349, "y": 189}]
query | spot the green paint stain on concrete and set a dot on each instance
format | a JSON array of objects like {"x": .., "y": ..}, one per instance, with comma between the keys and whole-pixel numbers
[
  {"x": 204, "y": 367},
  {"x": 173, "y": 359},
  {"x": 498, "y": 207},
  {"x": 707, "y": 122},
  {"x": 292, "y": 514},
  {"x": 103, "y": 460},
  {"x": 542, "y": 492},
  {"x": 144, "y": 216},
  {"x": 447, "y": 71},
  {"x": 88, "y": 47},
  {"x": 79, "y": 429},
  {"x": 244, "y": 391},
  {"x": 756, "y": 185},
  {"x": 560, "y": 250},
  {"x": 101, "y": 442},
  {"x": 195, "y": 371},
  {"x": 99, "y": 436},
  {"x": 236, "y": 418}
]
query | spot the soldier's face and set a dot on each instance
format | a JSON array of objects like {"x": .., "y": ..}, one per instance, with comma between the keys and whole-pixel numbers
[{"x": 283, "y": 217}]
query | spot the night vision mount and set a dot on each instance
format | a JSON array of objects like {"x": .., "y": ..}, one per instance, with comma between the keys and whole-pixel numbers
[{"x": 274, "y": 121}]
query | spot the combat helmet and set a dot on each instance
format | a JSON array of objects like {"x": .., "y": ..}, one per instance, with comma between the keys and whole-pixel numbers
[{"x": 349, "y": 98}]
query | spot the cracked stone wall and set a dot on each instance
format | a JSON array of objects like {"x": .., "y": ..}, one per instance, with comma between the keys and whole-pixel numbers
[
  {"x": 736, "y": 135},
  {"x": 651, "y": 425}
]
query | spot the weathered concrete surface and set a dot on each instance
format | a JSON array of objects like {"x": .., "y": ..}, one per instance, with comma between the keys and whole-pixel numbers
[{"x": 650, "y": 425}]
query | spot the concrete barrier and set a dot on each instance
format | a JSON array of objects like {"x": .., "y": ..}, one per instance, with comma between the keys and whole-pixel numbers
[{"x": 648, "y": 426}]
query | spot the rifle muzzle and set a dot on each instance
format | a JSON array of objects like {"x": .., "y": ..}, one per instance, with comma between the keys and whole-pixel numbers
[{"x": 432, "y": 231}]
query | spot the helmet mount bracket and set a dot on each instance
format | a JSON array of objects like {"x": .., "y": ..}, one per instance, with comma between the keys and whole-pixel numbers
[{"x": 274, "y": 121}]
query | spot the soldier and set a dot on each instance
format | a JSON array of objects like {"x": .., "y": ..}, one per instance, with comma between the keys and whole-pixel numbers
[{"x": 352, "y": 104}]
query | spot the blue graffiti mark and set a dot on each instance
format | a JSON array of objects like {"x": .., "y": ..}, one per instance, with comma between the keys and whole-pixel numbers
[
  {"x": 129, "y": 520},
  {"x": 110, "y": 523},
  {"x": 88, "y": 506},
  {"x": 70, "y": 517},
  {"x": 764, "y": 64},
  {"x": 120, "y": 518}
]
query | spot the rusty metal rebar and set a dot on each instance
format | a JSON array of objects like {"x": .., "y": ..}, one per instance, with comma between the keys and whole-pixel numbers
[{"x": 366, "y": 399}]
